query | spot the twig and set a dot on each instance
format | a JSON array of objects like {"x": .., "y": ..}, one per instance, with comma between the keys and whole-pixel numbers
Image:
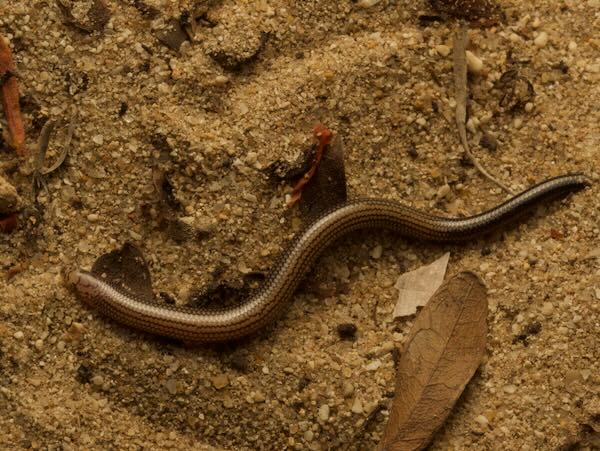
[
  {"x": 460, "y": 86},
  {"x": 40, "y": 157},
  {"x": 9, "y": 92},
  {"x": 39, "y": 171},
  {"x": 64, "y": 151}
]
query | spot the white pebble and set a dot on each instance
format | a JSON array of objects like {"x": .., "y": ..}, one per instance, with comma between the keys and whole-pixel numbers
[
  {"x": 357, "y": 406},
  {"x": 474, "y": 63},
  {"x": 373, "y": 366},
  {"x": 98, "y": 139},
  {"x": 367, "y": 3},
  {"x": 18, "y": 335},
  {"x": 442, "y": 50},
  {"x": 221, "y": 80},
  {"x": 510, "y": 389},
  {"x": 377, "y": 251},
  {"x": 135, "y": 236},
  {"x": 541, "y": 39},
  {"x": 324, "y": 412},
  {"x": 348, "y": 389},
  {"x": 572, "y": 46},
  {"x": 482, "y": 420},
  {"x": 443, "y": 191}
]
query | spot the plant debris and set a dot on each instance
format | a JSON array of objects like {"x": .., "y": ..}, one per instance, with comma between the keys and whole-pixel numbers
[
  {"x": 95, "y": 19},
  {"x": 460, "y": 84},
  {"x": 444, "y": 348},
  {"x": 39, "y": 171},
  {"x": 415, "y": 288},
  {"x": 517, "y": 90},
  {"x": 174, "y": 36},
  {"x": 323, "y": 136}
]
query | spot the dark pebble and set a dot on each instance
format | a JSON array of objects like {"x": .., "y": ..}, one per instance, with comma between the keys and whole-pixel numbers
[{"x": 347, "y": 331}]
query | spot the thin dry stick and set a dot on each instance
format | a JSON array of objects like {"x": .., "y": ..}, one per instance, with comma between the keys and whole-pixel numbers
[{"x": 460, "y": 86}]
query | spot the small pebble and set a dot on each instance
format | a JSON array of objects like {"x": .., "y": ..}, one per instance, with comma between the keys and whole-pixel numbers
[
  {"x": 258, "y": 397},
  {"x": 324, "y": 412},
  {"x": 135, "y": 236},
  {"x": 374, "y": 365},
  {"x": 98, "y": 381},
  {"x": 474, "y": 64},
  {"x": 347, "y": 331},
  {"x": 367, "y": 3},
  {"x": 443, "y": 191},
  {"x": 377, "y": 251},
  {"x": 18, "y": 335},
  {"x": 347, "y": 389},
  {"x": 220, "y": 80},
  {"x": 220, "y": 381},
  {"x": 309, "y": 435},
  {"x": 541, "y": 39},
  {"x": 482, "y": 420},
  {"x": 488, "y": 141},
  {"x": 228, "y": 402},
  {"x": 357, "y": 406},
  {"x": 171, "y": 386},
  {"x": 442, "y": 50},
  {"x": 547, "y": 309},
  {"x": 93, "y": 217},
  {"x": 510, "y": 389},
  {"x": 98, "y": 139}
]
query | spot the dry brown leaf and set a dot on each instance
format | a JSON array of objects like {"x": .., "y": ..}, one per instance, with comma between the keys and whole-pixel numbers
[
  {"x": 443, "y": 350},
  {"x": 415, "y": 288}
]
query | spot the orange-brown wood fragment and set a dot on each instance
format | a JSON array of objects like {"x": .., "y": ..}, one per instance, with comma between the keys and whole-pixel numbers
[
  {"x": 9, "y": 92},
  {"x": 8, "y": 223},
  {"x": 323, "y": 135}
]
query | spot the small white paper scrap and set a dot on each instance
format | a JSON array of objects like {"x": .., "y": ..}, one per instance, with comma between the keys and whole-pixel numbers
[{"x": 415, "y": 288}]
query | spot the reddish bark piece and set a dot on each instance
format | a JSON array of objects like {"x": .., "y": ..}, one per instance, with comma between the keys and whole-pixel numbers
[
  {"x": 323, "y": 135},
  {"x": 8, "y": 223},
  {"x": 445, "y": 346},
  {"x": 9, "y": 92}
]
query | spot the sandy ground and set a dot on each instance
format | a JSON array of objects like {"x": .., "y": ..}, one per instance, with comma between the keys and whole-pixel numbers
[{"x": 382, "y": 80}]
